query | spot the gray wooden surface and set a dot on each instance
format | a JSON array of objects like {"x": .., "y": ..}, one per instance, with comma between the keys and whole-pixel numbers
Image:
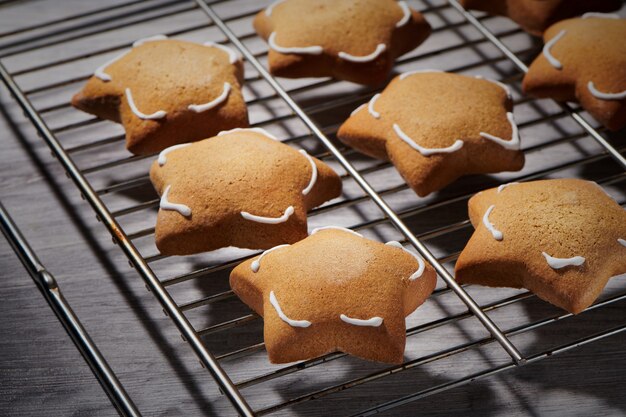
[{"x": 41, "y": 372}]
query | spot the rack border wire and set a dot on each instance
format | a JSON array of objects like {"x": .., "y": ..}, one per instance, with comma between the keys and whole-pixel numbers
[{"x": 176, "y": 311}]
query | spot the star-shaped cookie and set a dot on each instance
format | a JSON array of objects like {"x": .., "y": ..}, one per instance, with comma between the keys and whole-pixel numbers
[
  {"x": 242, "y": 188},
  {"x": 584, "y": 60},
  {"x": 534, "y": 16},
  {"x": 334, "y": 291},
  {"x": 354, "y": 40},
  {"x": 166, "y": 92},
  {"x": 436, "y": 127},
  {"x": 561, "y": 239}
]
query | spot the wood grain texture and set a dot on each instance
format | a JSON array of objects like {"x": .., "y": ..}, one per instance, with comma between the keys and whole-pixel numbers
[{"x": 41, "y": 373}]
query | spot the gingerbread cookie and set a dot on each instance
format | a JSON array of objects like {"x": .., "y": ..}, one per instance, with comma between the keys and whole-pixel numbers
[
  {"x": 354, "y": 40},
  {"x": 436, "y": 127},
  {"x": 535, "y": 16},
  {"x": 242, "y": 188},
  {"x": 166, "y": 92},
  {"x": 561, "y": 239},
  {"x": 584, "y": 60},
  {"x": 334, "y": 291}
]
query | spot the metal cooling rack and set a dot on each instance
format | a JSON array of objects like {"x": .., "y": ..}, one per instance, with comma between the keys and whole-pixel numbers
[{"x": 460, "y": 335}]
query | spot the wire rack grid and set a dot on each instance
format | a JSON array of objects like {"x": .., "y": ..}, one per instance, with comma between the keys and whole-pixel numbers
[{"x": 462, "y": 334}]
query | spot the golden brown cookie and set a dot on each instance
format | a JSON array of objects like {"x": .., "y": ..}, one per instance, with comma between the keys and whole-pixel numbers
[
  {"x": 436, "y": 127},
  {"x": 584, "y": 60},
  {"x": 354, "y": 40},
  {"x": 166, "y": 92},
  {"x": 241, "y": 188},
  {"x": 334, "y": 291},
  {"x": 535, "y": 16},
  {"x": 561, "y": 239}
]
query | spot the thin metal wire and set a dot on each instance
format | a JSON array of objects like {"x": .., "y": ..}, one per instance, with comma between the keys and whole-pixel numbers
[{"x": 49, "y": 288}]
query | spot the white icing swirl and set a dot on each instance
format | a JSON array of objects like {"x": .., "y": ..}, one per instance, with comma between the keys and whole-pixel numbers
[
  {"x": 140, "y": 42},
  {"x": 548, "y": 46},
  {"x": 270, "y": 8},
  {"x": 251, "y": 129},
  {"x": 406, "y": 14},
  {"x": 621, "y": 241},
  {"x": 370, "y": 106},
  {"x": 421, "y": 264},
  {"x": 233, "y": 56},
  {"x": 558, "y": 263},
  {"x": 514, "y": 143},
  {"x": 283, "y": 316},
  {"x": 600, "y": 15},
  {"x": 319, "y": 229},
  {"x": 358, "y": 109},
  {"x": 505, "y": 87},
  {"x": 497, "y": 235},
  {"x": 164, "y": 204},
  {"x": 503, "y": 186},
  {"x": 380, "y": 48},
  {"x": 373, "y": 322},
  {"x": 269, "y": 220},
  {"x": 199, "y": 108},
  {"x": 409, "y": 73},
  {"x": 458, "y": 144},
  {"x": 163, "y": 154},
  {"x": 154, "y": 116},
  {"x": 310, "y": 50},
  {"x": 99, "y": 72},
  {"x": 256, "y": 264},
  {"x": 605, "y": 96},
  {"x": 313, "y": 172}
]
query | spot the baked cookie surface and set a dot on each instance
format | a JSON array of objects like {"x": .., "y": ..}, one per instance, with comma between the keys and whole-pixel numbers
[
  {"x": 241, "y": 188},
  {"x": 334, "y": 291},
  {"x": 584, "y": 60},
  {"x": 561, "y": 239},
  {"x": 166, "y": 92},
  {"x": 535, "y": 16},
  {"x": 436, "y": 127},
  {"x": 354, "y": 40}
]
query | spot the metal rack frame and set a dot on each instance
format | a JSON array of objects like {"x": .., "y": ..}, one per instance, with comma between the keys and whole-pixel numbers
[{"x": 177, "y": 311}]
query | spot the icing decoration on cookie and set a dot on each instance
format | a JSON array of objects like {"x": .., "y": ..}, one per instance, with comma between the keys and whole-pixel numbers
[
  {"x": 163, "y": 154},
  {"x": 199, "y": 108},
  {"x": 154, "y": 116},
  {"x": 358, "y": 109},
  {"x": 370, "y": 107},
  {"x": 422, "y": 265},
  {"x": 256, "y": 264},
  {"x": 497, "y": 235},
  {"x": 621, "y": 241},
  {"x": 140, "y": 42},
  {"x": 503, "y": 186},
  {"x": 319, "y": 229},
  {"x": 458, "y": 144},
  {"x": 600, "y": 15},
  {"x": 505, "y": 87},
  {"x": 283, "y": 316},
  {"x": 406, "y": 16},
  {"x": 558, "y": 263},
  {"x": 409, "y": 73},
  {"x": 310, "y": 50},
  {"x": 270, "y": 8},
  {"x": 380, "y": 48},
  {"x": 253, "y": 129},
  {"x": 373, "y": 322},
  {"x": 99, "y": 72},
  {"x": 232, "y": 55},
  {"x": 512, "y": 144},
  {"x": 164, "y": 204},
  {"x": 548, "y": 46},
  {"x": 269, "y": 220},
  {"x": 313, "y": 179},
  {"x": 605, "y": 96}
]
